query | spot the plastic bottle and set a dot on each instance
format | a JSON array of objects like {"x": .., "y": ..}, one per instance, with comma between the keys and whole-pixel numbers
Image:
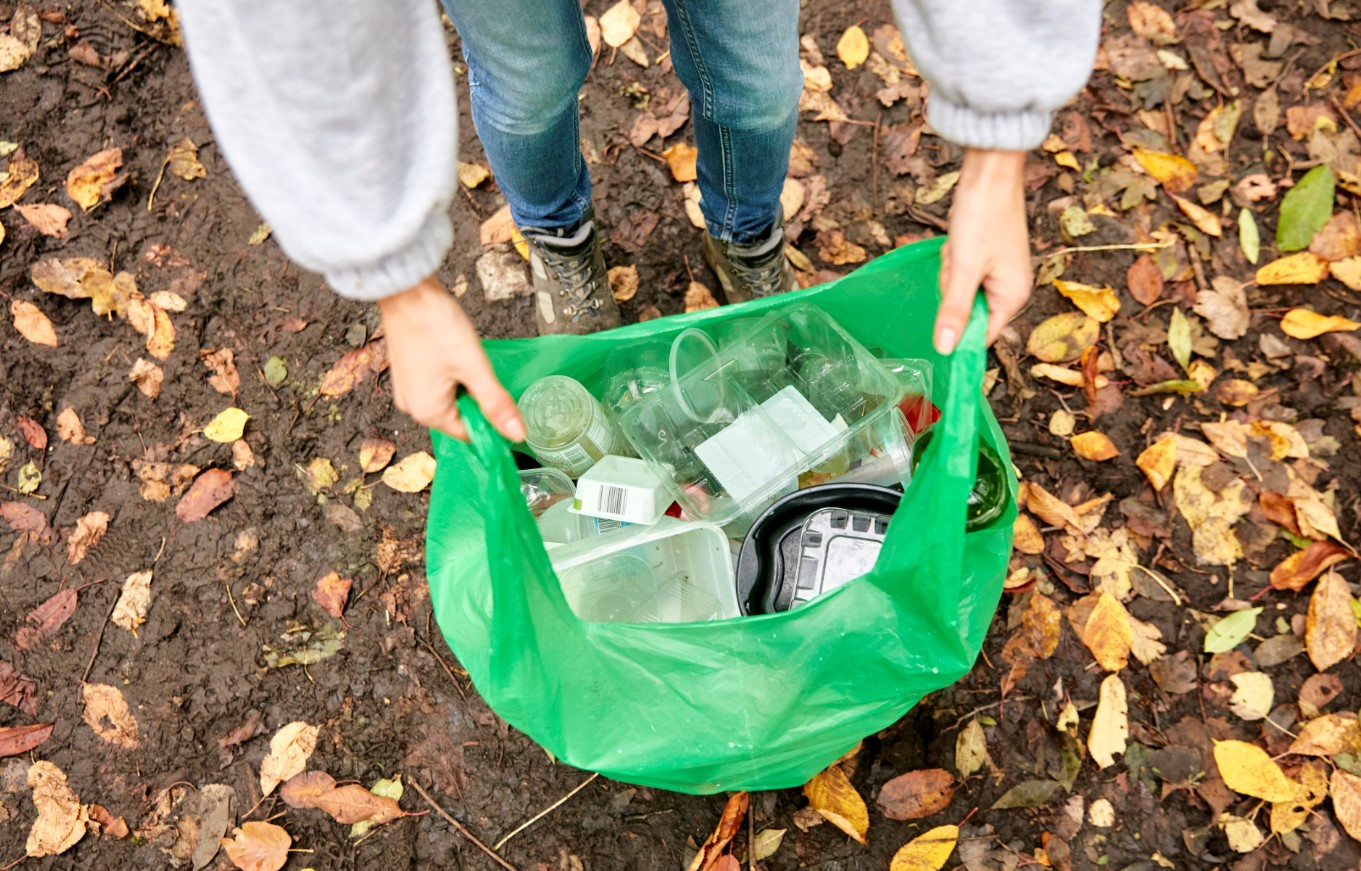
[{"x": 566, "y": 426}]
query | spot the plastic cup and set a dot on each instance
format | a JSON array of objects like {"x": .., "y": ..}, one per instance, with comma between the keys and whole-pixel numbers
[{"x": 635, "y": 370}]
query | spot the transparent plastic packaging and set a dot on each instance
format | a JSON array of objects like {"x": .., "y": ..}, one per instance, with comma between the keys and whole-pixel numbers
[
  {"x": 544, "y": 488},
  {"x": 566, "y": 427}
]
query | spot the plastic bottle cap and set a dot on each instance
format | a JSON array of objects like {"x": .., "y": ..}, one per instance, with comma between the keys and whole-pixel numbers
[{"x": 699, "y": 398}]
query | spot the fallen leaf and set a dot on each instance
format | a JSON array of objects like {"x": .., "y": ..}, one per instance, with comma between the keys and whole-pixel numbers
[
  {"x": 1224, "y": 307},
  {"x": 90, "y": 528},
  {"x": 1108, "y": 634},
  {"x": 30, "y": 478},
  {"x": 1330, "y": 629},
  {"x": 1152, "y": 22},
  {"x": 830, "y": 793},
  {"x": 23, "y": 174},
  {"x": 1110, "y": 726},
  {"x": 472, "y": 174},
  {"x": 148, "y": 377},
  {"x": 728, "y": 825},
  {"x": 1242, "y": 834},
  {"x": 1236, "y": 392},
  {"x": 680, "y": 157},
  {"x": 32, "y": 432},
  {"x": 47, "y": 218},
  {"x": 289, "y": 750},
  {"x": 1051, "y": 509},
  {"x": 18, "y": 690},
  {"x": 260, "y": 234},
  {"x": 17, "y": 740},
  {"x": 106, "y": 712},
  {"x": 1206, "y": 221},
  {"x": 1300, "y": 323},
  {"x": 374, "y": 454},
  {"x": 351, "y": 369},
  {"x": 1305, "y": 208},
  {"x": 182, "y": 161},
  {"x": 387, "y": 789},
  {"x": 1179, "y": 338},
  {"x": 698, "y": 298},
  {"x": 853, "y": 48},
  {"x": 1231, "y": 631},
  {"x": 623, "y": 282},
  {"x": 917, "y": 794},
  {"x": 70, "y": 429},
  {"x": 17, "y": 46},
  {"x": 1075, "y": 222},
  {"x": 62, "y": 819},
  {"x": 32, "y": 324},
  {"x": 619, "y": 23},
  {"x": 1100, "y": 303},
  {"x": 47, "y": 618},
  {"x": 346, "y": 804},
  {"x": 133, "y": 602},
  {"x": 1340, "y": 238},
  {"x": 1027, "y": 794},
  {"x": 276, "y": 371},
  {"x": 634, "y": 51},
  {"x": 766, "y": 842},
  {"x": 1297, "y": 570},
  {"x": 1062, "y": 338},
  {"x": 411, "y": 474},
  {"x": 1305, "y": 267},
  {"x": 1247, "y": 769},
  {"x": 1158, "y": 461},
  {"x": 228, "y": 426},
  {"x": 938, "y": 189},
  {"x": 1026, "y": 535},
  {"x": 1094, "y": 446},
  {"x": 1249, "y": 237},
  {"x": 971, "y": 749},
  {"x": 1145, "y": 280},
  {"x": 929, "y": 851},
  {"x": 1310, "y": 793},
  {"x": 222, "y": 363},
  {"x": 91, "y": 182},
  {"x": 331, "y": 593},
  {"x": 1175, "y": 173},
  {"x": 258, "y": 846},
  {"x": 1327, "y": 735},
  {"x": 1253, "y": 695},
  {"x": 208, "y": 491},
  {"x": 304, "y": 646},
  {"x": 1345, "y": 789}
]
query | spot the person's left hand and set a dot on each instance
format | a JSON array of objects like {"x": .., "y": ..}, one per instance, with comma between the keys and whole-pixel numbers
[{"x": 989, "y": 245}]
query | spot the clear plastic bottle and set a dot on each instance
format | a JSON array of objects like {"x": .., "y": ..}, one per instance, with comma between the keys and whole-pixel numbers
[{"x": 566, "y": 426}]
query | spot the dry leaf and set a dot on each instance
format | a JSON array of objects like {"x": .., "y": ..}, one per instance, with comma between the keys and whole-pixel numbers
[
  {"x": 1026, "y": 535},
  {"x": 791, "y": 197},
  {"x": 1253, "y": 695},
  {"x": 331, "y": 593},
  {"x": 70, "y": 429},
  {"x": 62, "y": 819},
  {"x": 971, "y": 749},
  {"x": 1236, "y": 392},
  {"x": 853, "y": 48},
  {"x": 208, "y": 491},
  {"x": 353, "y": 368},
  {"x": 1100, "y": 303},
  {"x": 148, "y": 377},
  {"x": 830, "y": 793},
  {"x": 106, "y": 712},
  {"x": 938, "y": 189},
  {"x": 17, "y": 740},
  {"x": 1330, "y": 629},
  {"x": 182, "y": 161},
  {"x": 289, "y": 750},
  {"x": 258, "y": 846},
  {"x": 836, "y": 249},
  {"x": 17, "y": 46},
  {"x": 472, "y": 174},
  {"x": 411, "y": 474},
  {"x": 46, "y": 218},
  {"x": 1345, "y": 789},
  {"x": 1051, "y": 509},
  {"x": 89, "y": 530},
  {"x": 1094, "y": 446},
  {"x": 619, "y": 23},
  {"x": 1328, "y": 735},
  {"x": 680, "y": 157},
  {"x": 624, "y": 282},
  {"x": 698, "y": 298},
  {"x": 1300, "y": 323},
  {"x": 45, "y": 619},
  {"x": 1152, "y": 22},
  {"x": 1225, "y": 308},
  {"x": 728, "y": 825},
  {"x": 634, "y": 51},
  {"x": 917, "y": 794},
  {"x": 346, "y": 804},
  {"x": 1247, "y": 769},
  {"x": 222, "y": 363},
  {"x": 1297, "y": 570},
  {"x": 1305, "y": 267},
  {"x": 1173, "y": 172},
  {"x": 928, "y": 851},
  {"x": 1340, "y": 238},
  {"x": 23, "y": 174},
  {"x": 133, "y": 603},
  {"x": 1347, "y": 271},
  {"x": 91, "y": 182},
  {"x": 1206, "y": 221},
  {"x": 1063, "y": 338},
  {"x": 32, "y": 324},
  {"x": 1211, "y": 515},
  {"x": 1110, "y": 726},
  {"x": 1158, "y": 461},
  {"x": 375, "y": 454},
  {"x": 1108, "y": 633},
  {"x": 766, "y": 843}
]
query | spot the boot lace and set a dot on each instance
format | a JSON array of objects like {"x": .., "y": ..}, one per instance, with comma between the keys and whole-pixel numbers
[
  {"x": 575, "y": 274},
  {"x": 766, "y": 279}
]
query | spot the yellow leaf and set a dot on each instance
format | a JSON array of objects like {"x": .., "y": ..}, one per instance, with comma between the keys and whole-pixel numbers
[
  {"x": 698, "y": 298},
  {"x": 1206, "y": 221},
  {"x": 623, "y": 282},
  {"x": 1300, "y": 323},
  {"x": 227, "y": 426},
  {"x": 1310, "y": 793},
  {"x": 1236, "y": 392},
  {"x": 928, "y": 851},
  {"x": 680, "y": 157},
  {"x": 1305, "y": 267},
  {"x": 32, "y": 324},
  {"x": 971, "y": 748},
  {"x": 1330, "y": 628},
  {"x": 1067, "y": 159},
  {"x": 1027, "y": 537},
  {"x": 1328, "y": 735},
  {"x": 1211, "y": 515},
  {"x": 470, "y": 175},
  {"x": 1110, "y": 726},
  {"x": 88, "y": 184},
  {"x": 1063, "y": 422},
  {"x": 766, "y": 842},
  {"x": 1247, "y": 769},
  {"x": 22, "y": 174},
  {"x": 411, "y": 474},
  {"x": 1094, "y": 446},
  {"x": 1253, "y": 695},
  {"x": 853, "y": 48},
  {"x": 182, "y": 161},
  {"x": 1063, "y": 338},
  {"x": 1098, "y": 302},
  {"x": 1158, "y": 461},
  {"x": 1108, "y": 634},
  {"x": 1172, "y": 171},
  {"x": 1346, "y": 793},
  {"x": 936, "y": 190},
  {"x": 619, "y": 23},
  {"x": 830, "y": 793},
  {"x": 133, "y": 602},
  {"x": 1347, "y": 271}
]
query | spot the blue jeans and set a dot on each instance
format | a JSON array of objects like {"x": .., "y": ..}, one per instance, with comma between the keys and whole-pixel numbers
[{"x": 527, "y": 60}]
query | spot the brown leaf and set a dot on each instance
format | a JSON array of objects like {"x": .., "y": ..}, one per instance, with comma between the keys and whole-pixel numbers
[
  {"x": 1026, "y": 535},
  {"x": 160, "y": 481},
  {"x": 106, "y": 712},
  {"x": 182, "y": 161},
  {"x": 32, "y": 432},
  {"x": 331, "y": 593},
  {"x": 351, "y": 369},
  {"x": 1330, "y": 628},
  {"x": 698, "y": 298},
  {"x": 1110, "y": 725},
  {"x": 1297, "y": 570},
  {"x": 1152, "y": 22},
  {"x": 830, "y": 793},
  {"x": 208, "y": 491},
  {"x": 89, "y": 530},
  {"x": 836, "y": 249},
  {"x": 623, "y": 282},
  {"x": 1062, "y": 338},
  {"x": 1339, "y": 239},
  {"x": 134, "y": 600},
  {"x": 1095, "y": 446},
  {"x": 23, "y": 174},
  {"x": 46, "y": 618},
  {"x": 1225, "y": 308},
  {"x": 1108, "y": 633},
  {"x": 15, "y": 740},
  {"x": 24, "y": 518},
  {"x": 302, "y": 790},
  {"x": 70, "y": 429},
  {"x": 91, "y": 182},
  {"x": 374, "y": 454},
  {"x": 499, "y": 228},
  {"x": 258, "y": 846},
  {"x": 1328, "y": 735},
  {"x": 289, "y": 750},
  {"x": 148, "y": 378},
  {"x": 681, "y": 157},
  {"x": 114, "y": 827},
  {"x": 917, "y": 794},
  {"x": 1345, "y": 789},
  {"x": 61, "y": 818},
  {"x": 32, "y": 324},
  {"x": 222, "y": 363},
  {"x": 1279, "y": 510},
  {"x": 47, "y": 218},
  {"x": 353, "y": 803},
  {"x": 18, "y": 690},
  {"x": 728, "y": 826},
  {"x": 1036, "y": 638},
  {"x": 1145, "y": 280}
]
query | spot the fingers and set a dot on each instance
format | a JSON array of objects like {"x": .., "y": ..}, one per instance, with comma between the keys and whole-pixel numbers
[
  {"x": 958, "y": 286},
  {"x": 448, "y": 422},
  {"x": 495, "y": 402},
  {"x": 434, "y": 412}
]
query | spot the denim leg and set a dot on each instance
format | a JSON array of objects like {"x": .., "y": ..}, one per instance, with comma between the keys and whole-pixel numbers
[
  {"x": 739, "y": 59},
  {"x": 527, "y": 60}
]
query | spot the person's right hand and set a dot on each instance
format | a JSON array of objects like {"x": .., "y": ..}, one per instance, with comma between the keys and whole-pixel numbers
[{"x": 433, "y": 349}]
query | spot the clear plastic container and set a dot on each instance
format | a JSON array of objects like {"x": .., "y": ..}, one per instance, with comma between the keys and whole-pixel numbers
[
  {"x": 635, "y": 370},
  {"x": 558, "y": 525},
  {"x": 672, "y": 572},
  {"x": 881, "y": 454},
  {"x": 916, "y": 406},
  {"x": 566, "y": 426},
  {"x": 762, "y": 430},
  {"x": 544, "y": 488}
]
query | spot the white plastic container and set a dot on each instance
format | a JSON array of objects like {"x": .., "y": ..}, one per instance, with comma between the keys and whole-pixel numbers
[
  {"x": 672, "y": 572},
  {"x": 624, "y": 489}
]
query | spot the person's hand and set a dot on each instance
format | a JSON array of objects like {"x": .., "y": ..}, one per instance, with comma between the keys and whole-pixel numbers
[
  {"x": 433, "y": 349},
  {"x": 989, "y": 245}
]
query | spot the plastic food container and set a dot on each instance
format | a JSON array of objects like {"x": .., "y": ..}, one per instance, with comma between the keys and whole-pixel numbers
[
  {"x": 633, "y": 371},
  {"x": 732, "y": 438},
  {"x": 558, "y": 525},
  {"x": 673, "y": 572},
  {"x": 544, "y": 488},
  {"x": 916, "y": 406},
  {"x": 837, "y": 545},
  {"x": 625, "y": 489},
  {"x": 881, "y": 454},
  {"x": 566, "y": 426}
]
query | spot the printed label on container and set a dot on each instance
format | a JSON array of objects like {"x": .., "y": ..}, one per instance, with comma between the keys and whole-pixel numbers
[{"x": 572, "y": 459}]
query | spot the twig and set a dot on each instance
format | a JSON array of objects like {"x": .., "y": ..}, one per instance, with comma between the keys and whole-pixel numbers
[
  {"x": 459, "y": 827},
  {"x": 1335, "y": 60},
  {"x": 1176, "y": 600},
  {"x": 1342, "y": 110},
  {"x": 232, "y": 599},
  {"x": 1132, "y": 246},
  {"x": 874, "y": 165},
  {"x": 751, "y": 812},
  {"x": 98, "y": 640},
  {"x": 545, "y": 812}
]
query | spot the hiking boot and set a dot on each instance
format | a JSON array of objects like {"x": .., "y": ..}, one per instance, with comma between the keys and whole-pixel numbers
[
  {"x": 571, "y": 289},
  {"x": 751, "y": 270}
]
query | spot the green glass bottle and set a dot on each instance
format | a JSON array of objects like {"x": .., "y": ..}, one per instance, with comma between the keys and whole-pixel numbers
[{"x": 988, "y": 499}]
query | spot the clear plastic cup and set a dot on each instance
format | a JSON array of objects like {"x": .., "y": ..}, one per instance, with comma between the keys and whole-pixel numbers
[
  {"x": 543, "y": 488},
  {"x": 635, "y": 370},
  {"x": 566, "y": 427}
]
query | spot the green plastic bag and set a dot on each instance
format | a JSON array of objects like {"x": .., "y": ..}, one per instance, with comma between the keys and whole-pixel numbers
[{"x": 752, "y": 703}]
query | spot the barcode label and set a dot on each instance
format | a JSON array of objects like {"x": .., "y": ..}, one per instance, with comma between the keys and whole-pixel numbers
[
  {"x": 571, "y": 459},
  {"x": 613, "y": 500}
]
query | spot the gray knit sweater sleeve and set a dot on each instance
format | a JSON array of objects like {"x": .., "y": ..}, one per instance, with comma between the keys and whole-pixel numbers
[
  {"x": 338, "y": 120},
  {"x": 999, "y": 68}
]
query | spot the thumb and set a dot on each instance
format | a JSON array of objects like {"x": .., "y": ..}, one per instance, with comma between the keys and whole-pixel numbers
[
  {"x": 959, "y": 286},
  {"x": 495, "y": 402}
]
